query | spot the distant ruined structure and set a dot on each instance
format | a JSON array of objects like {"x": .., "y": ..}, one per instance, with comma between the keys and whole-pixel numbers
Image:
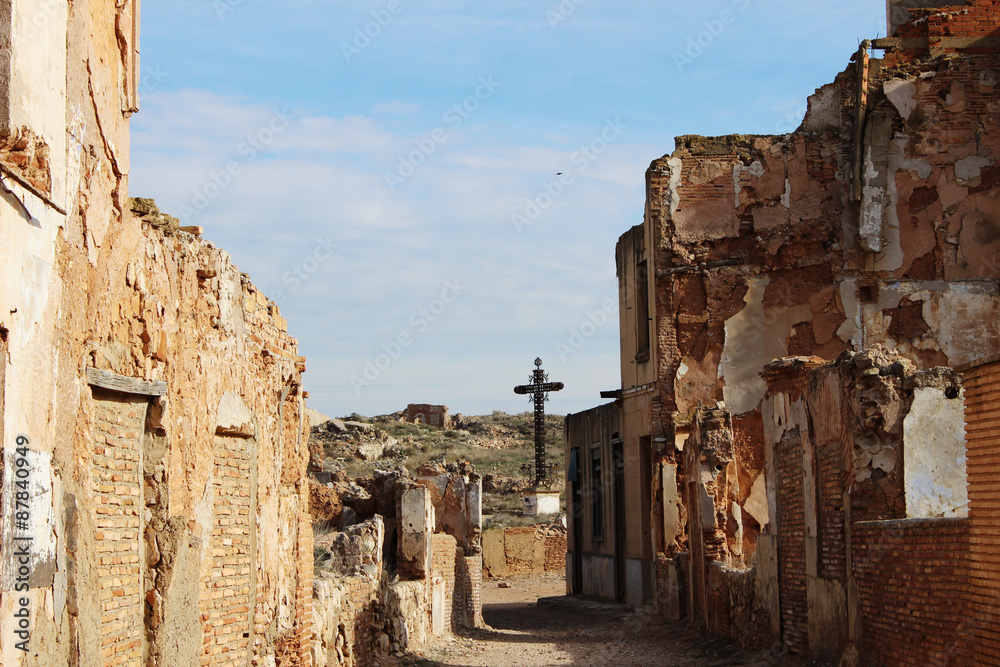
[
  {"x": 154, "y": 504},
  {"x": 431, "y": 415},
  {"x": 788, "y": 460}
]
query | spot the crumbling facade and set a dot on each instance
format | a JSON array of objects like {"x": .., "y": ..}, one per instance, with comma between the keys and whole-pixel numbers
[
  {"x": 524, "y": 550},
  {"x": 873, "y": 226},
  {"x": 154, "y": 504}
]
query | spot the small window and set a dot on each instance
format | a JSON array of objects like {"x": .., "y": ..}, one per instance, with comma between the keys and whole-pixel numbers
[
  {"x": 596, "y": 495},
  {"x": 642, "y": 311}
]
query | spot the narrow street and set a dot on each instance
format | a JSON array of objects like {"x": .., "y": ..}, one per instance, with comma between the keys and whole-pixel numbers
[{"x": 531, "y": 624}]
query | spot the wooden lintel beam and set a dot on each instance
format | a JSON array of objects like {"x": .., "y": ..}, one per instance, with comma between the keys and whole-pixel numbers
[{"x": 126, "y": 385}]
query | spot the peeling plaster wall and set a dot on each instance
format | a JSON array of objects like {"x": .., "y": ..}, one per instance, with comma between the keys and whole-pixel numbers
[
  {"x": 873, "y": 224},
  {"x": 852, "y": 447},
  {"x": 173, "y": 497},
  {"x": 934, "y": 466},
  {"x": 761, "y": 251}
]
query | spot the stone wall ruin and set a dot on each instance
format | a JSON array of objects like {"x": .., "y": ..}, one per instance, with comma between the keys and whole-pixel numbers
[{"x": 151, "y": 394}]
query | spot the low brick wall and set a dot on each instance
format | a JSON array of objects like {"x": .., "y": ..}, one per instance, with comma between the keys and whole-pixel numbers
[
  {"x": 913, "y": 581},
  {"x": 555, "y": 553},
  {"x": 445, "y": 553},
  {"x": 523, "y": 550}
]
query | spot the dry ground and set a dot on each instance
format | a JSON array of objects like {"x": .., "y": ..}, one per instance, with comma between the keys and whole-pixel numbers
[{"x": 525, "y": 631}]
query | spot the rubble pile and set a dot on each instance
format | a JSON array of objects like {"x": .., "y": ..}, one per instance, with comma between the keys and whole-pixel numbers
[{"x": 337, "y": 438}]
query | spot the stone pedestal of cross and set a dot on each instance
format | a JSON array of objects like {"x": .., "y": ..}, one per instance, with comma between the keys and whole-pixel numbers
[{"x": 538, "y": 390}]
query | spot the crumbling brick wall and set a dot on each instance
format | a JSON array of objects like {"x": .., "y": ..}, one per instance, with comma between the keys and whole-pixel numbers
[
  {"x": 26, "y": 157},
  {"x": 156, "y": 390},
  {"x": 945, "y": 29},
  {"x": 767, "y": 246},
  {"x": 834, "y": 432},
  {"x": 524, "y": 550}
]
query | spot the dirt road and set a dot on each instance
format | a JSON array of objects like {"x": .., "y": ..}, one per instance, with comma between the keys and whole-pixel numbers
[{"x": 532, "y": 625}]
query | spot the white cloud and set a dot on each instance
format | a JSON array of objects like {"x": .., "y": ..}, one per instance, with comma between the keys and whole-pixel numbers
[
  {"x": 396, "y": 108},
  {"x": 323, "y": 178}
]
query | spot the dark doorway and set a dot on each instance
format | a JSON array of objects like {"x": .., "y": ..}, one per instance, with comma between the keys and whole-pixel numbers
[
  {"x": 576, "y": 514},
  {"x": 618, "y": 463}
]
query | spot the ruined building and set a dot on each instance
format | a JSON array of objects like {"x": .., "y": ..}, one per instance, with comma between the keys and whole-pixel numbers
[
  {"x": 154, "y": 510},
  {"x": 400, "y": 562},
  {"x": 432, "y": 415},
  {"x": 783, "y": 502}
]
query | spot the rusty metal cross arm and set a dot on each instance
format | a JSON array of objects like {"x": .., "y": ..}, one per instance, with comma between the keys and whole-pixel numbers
[{"x": 545, "y": 387}]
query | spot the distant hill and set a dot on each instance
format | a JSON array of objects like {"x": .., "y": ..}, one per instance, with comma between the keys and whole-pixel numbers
[{"x": 498, "y": 445}]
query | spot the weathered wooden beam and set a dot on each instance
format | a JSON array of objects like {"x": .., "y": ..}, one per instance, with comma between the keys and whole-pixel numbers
[{"x": 126, "y": 385}]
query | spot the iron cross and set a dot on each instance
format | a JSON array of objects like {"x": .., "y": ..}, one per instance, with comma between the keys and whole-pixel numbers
[{"x": 538, "y": 390}]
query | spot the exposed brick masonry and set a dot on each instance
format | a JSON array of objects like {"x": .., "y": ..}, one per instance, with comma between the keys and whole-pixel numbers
[
  {"x": 27, "y": 155},
  {"x": 913, "y": 577},
  {"x": 792, "y": 546},
  {"x": 975, "y": 20},
  {"x": 443, "y": 567},
  {"x": 225, "y": 603},
  {"x": 982, "y": 413},
  {"x": 118, "y": 428}
]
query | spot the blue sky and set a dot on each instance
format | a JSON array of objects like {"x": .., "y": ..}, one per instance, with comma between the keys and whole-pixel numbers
[{"x": 387, "y": 169}]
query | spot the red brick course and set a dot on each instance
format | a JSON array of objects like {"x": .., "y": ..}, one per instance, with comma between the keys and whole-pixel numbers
[
  {"x": 555, "y": 553},
  {"x": 445, "y": 552},
  {"x": 225, "y": 600},
  {"x": 792, "y": 546},
  {"x": 117, "y": 441},
  {"x": 913, "y": 580},
  {"x": 982, "y": 414},
  {"x": 980, "y": 18}
]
